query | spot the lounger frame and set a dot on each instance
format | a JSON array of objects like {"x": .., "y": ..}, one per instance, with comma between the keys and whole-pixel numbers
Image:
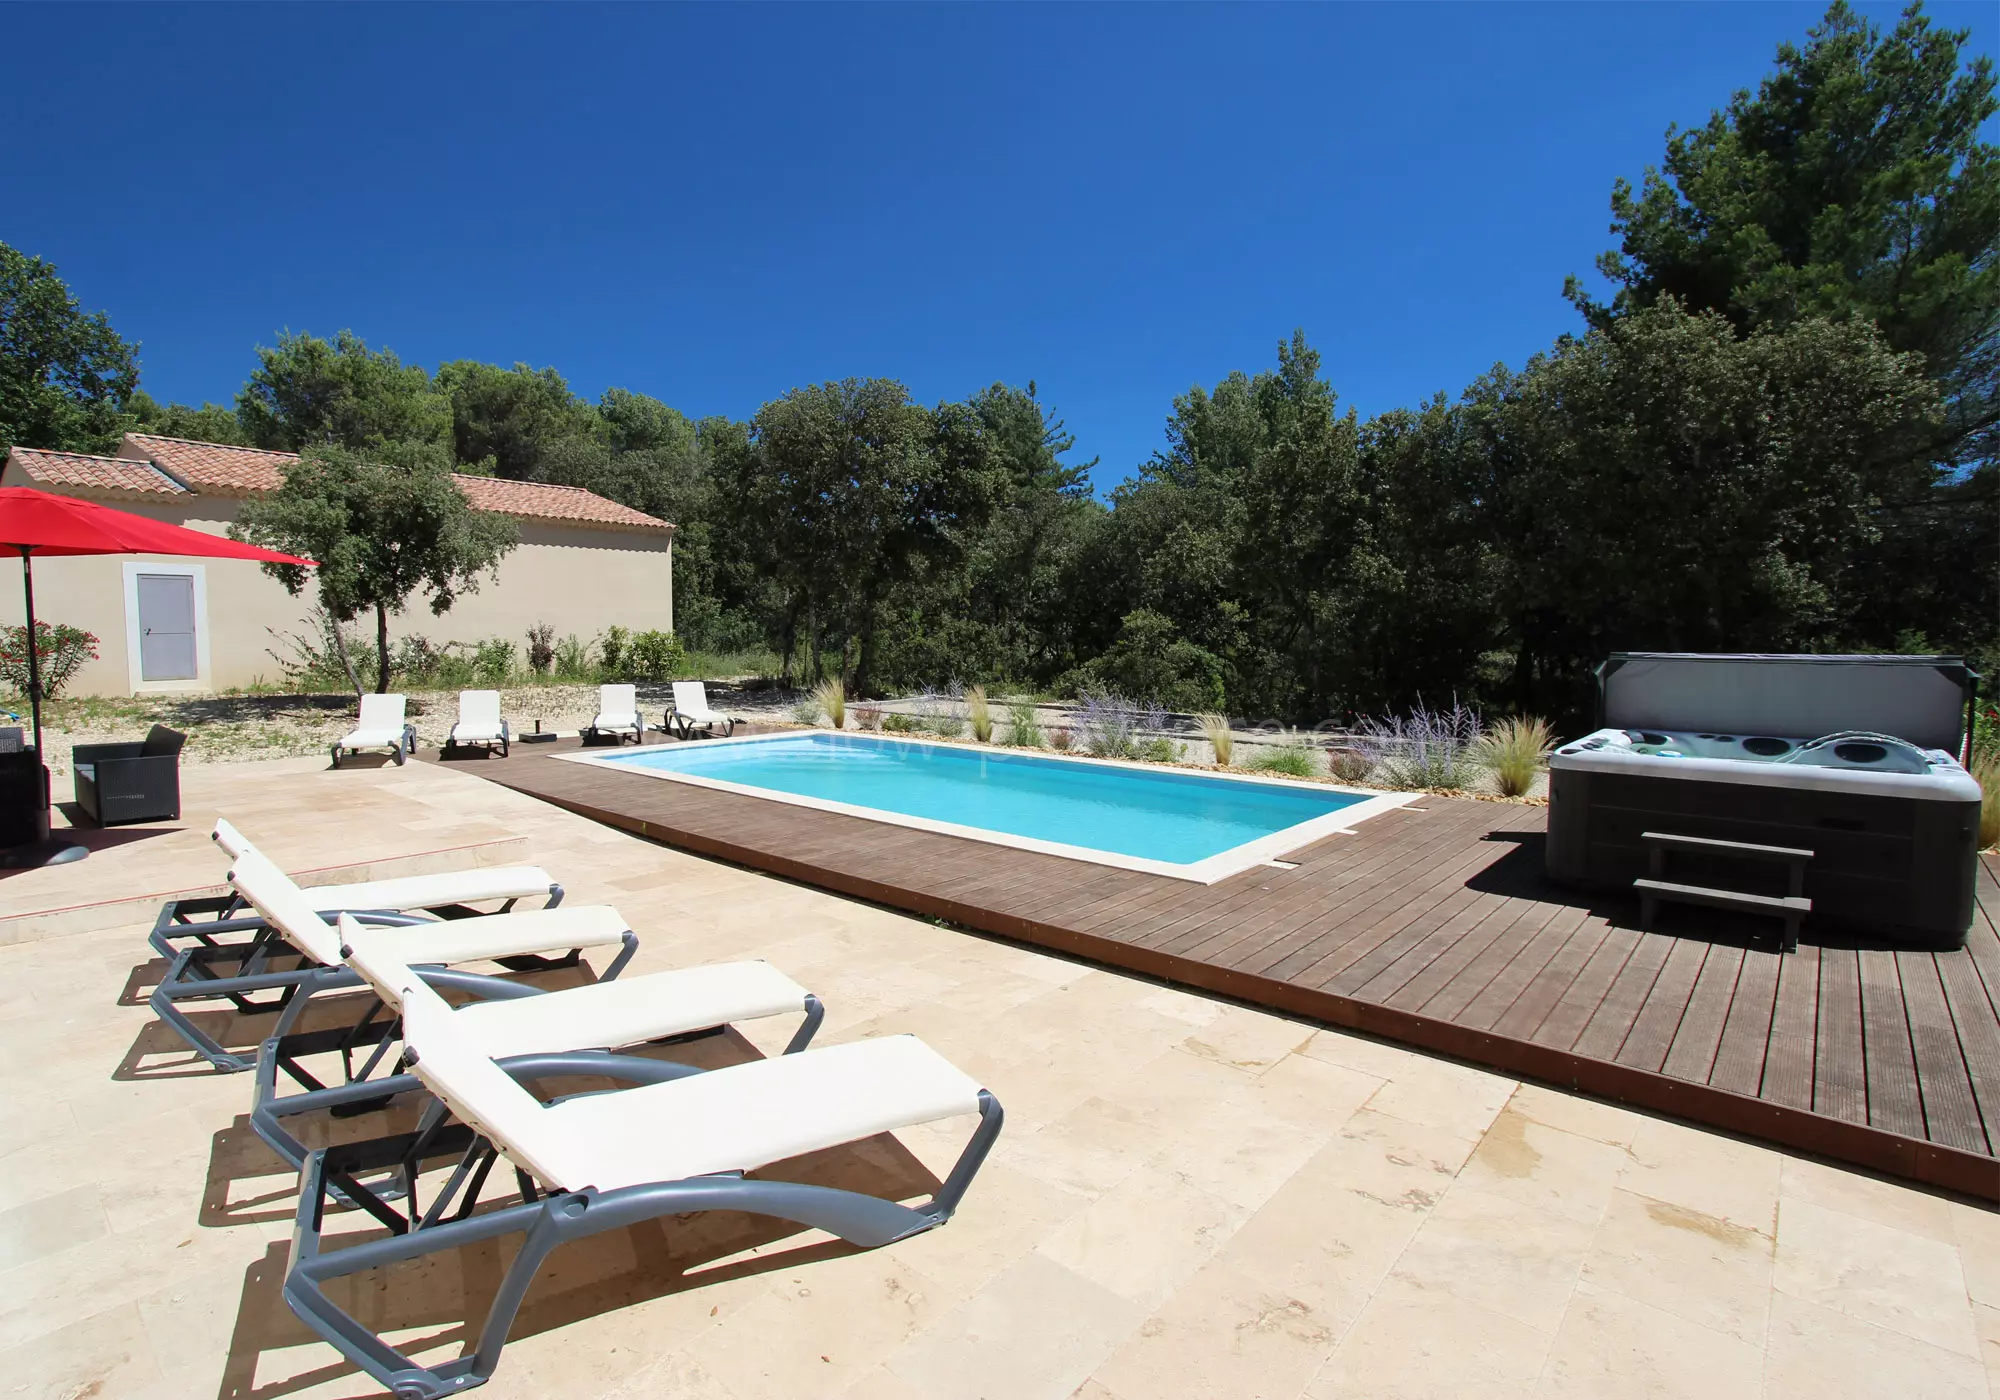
[
  {"x": 360, "y": 1094},
  {"x": 405, "y": 745},
  {"x": 192, "y": 978},
  {"x": 332, "y": 1177}
]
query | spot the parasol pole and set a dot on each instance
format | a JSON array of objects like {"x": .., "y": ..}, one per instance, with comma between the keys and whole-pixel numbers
[{"x": 34, "y": 661}]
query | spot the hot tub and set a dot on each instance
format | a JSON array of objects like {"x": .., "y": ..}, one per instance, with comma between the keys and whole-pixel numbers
[{"x": 1851, "y": 758}]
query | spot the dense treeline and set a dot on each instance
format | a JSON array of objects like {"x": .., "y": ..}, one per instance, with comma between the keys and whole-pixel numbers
[{"x": 1779, "y": 434}]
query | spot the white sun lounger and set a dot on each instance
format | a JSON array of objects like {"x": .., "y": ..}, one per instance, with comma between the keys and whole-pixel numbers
[
  {"x": 520, "y": 938},
  {"x": 205, "y": 922},
  {"x": 479, "y": 723},
  {"x": 677, "y": 1144},
  {"x": 529, "y": 1028},
  {"x": 380, "y": 726},
  {"x": 617, "y": 714},
  {"x": 691, "y": 711}
]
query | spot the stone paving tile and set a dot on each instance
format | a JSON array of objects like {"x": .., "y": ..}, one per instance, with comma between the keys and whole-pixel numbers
[
  {"x": 1191, "y": 1198},
  {"x": 1816, "y": 1351},
  {"x": 1892, "y": 1278}
]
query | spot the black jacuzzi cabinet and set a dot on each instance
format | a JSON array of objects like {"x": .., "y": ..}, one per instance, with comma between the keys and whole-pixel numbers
[{"x": 1742, "y": 780}]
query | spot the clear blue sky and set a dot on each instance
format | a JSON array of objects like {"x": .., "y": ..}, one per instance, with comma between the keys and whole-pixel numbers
[{"x": 714, "y": 205}]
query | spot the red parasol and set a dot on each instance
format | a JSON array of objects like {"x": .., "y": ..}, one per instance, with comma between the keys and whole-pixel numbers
[{"x": 39, "y": 522}]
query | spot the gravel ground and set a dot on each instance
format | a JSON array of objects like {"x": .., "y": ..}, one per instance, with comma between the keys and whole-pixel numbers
[{"x": 231, "y": 728}]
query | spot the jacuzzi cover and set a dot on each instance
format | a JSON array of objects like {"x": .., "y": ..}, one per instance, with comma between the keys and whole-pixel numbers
[{"x": 1922, "y": 699}]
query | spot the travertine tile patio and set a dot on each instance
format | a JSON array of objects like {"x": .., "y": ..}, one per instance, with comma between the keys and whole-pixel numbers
[{"x": 1191, "y": 1199}]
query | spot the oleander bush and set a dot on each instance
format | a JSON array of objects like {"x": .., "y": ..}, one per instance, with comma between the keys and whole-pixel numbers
[{"x": 60, "y": 650}]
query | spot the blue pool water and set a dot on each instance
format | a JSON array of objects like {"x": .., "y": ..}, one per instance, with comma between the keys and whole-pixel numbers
[{"x": 1162, "y": 815}]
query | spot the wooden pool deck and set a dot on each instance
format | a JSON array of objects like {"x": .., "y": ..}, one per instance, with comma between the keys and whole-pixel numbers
[{"x": 1435, "y": 926}]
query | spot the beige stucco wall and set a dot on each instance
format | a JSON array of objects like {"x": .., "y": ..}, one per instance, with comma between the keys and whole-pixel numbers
[{"x": 579, "y": 580}]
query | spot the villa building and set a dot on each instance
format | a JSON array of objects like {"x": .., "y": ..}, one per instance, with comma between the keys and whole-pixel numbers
[{"x": 583, "y": 564}]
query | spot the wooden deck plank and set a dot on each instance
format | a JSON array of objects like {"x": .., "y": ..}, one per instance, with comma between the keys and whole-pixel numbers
[
  {"x": 1666, "y": 1005},
  {"x": 1437, "y": 925},
  {"x": 1791, "y": 1057},
  {"x": 1525, "y": 1014},
  {"x": 1746, "y": 1031},
  {"x": 1950, "y": 1114},
  {"x": 1611, "y": 1022},
  {"x": 1699, "y": 1039},
  {"x": 1976, "y": 1023},
  {"x": 1500, "y": 991},
  {"x": 1840, "y": 1074},
  {"x": 1894, "y": 1101}
]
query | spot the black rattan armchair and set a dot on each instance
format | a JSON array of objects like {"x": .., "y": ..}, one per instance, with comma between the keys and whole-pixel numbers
[{"x": 130, "y": 782}]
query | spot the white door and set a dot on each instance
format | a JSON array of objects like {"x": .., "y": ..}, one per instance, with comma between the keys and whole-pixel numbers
[{"x": 166, "y": 627}]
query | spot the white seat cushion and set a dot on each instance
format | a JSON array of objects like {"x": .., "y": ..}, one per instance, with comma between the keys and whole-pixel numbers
[
  {"x": 511, "y": 935},
  {"x": 746, "y": 1116},
  {"x": 604, "y": 1015},
  {"x": 428, "y": 891},
  {"x": 372, "y": 739}
]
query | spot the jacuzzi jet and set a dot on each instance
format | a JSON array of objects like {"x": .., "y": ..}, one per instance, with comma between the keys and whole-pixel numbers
[{"x": 1766, "y": 747}]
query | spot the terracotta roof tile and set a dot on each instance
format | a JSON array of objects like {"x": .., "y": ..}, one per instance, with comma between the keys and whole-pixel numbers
[
  {"x": 537, "y": 500},
  {"x": 117, "y": 475},
  {"x": 213, "y": 468},
  {"x": 212, "y": 464}
]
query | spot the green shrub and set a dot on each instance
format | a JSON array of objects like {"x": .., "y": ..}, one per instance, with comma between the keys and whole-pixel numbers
[
  {"x": 60, "y": 650},
  {"x": 1159, "y": 750},
  {"x": 493, "y": 661},
  {"x": 896, "y": 722},
  {"x": 1986, "y": 732},
  {"x": 946, "y": 726},
  {"x": 1294, "y": 758},
  {"x": 541, "y": 648},
  {"x": 611, "y": 647},
  {"x": 572, "y": 659},
  {"x": 655, "y": 656},
  {"x": 980, "y": 713},
  {"x": 1022, "y": 730},
  {"x": 830, "y": 696},
  {"x": 1215, "y": 728},
  {"x": 806, "y": 711},
  {"x": 1515, "y": 750}
]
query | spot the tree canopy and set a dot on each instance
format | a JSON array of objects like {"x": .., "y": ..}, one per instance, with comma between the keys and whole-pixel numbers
[
  {"x": 307, "y": 392},
  {"x": 65, "y": 375},
  {"x": 1852, "y": 184},
  {"x": 383, "y": 525}
]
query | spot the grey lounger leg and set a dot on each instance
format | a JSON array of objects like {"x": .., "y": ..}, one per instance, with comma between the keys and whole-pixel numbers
[{"x": 547, "y": 1222}]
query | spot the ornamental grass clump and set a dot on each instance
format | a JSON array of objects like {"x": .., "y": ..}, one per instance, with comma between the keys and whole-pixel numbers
[
  {"x": 1514, "y": 751},
  {"x": 979, "y": 713},
  {"x": 1061, "y": 737},
  {"x": 1023, "y": 732},
  {"x": 830, "y": 695},
  {"x": 1291, "y": 756},
  {"x": 1215, "y": 729},
  {"x": 1425, "y": 748}
]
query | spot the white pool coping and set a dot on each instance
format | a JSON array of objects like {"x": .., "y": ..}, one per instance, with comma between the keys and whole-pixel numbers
[{"x": 1206, "y": 871}]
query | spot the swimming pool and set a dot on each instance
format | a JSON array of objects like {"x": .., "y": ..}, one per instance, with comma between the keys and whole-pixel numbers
[{"x": 1165, "y": 821}]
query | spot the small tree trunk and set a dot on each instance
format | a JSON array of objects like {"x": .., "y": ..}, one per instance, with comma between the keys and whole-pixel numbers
[
  {"x": 381, "y": 649},
  {"x": 340, "y": 650}
]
